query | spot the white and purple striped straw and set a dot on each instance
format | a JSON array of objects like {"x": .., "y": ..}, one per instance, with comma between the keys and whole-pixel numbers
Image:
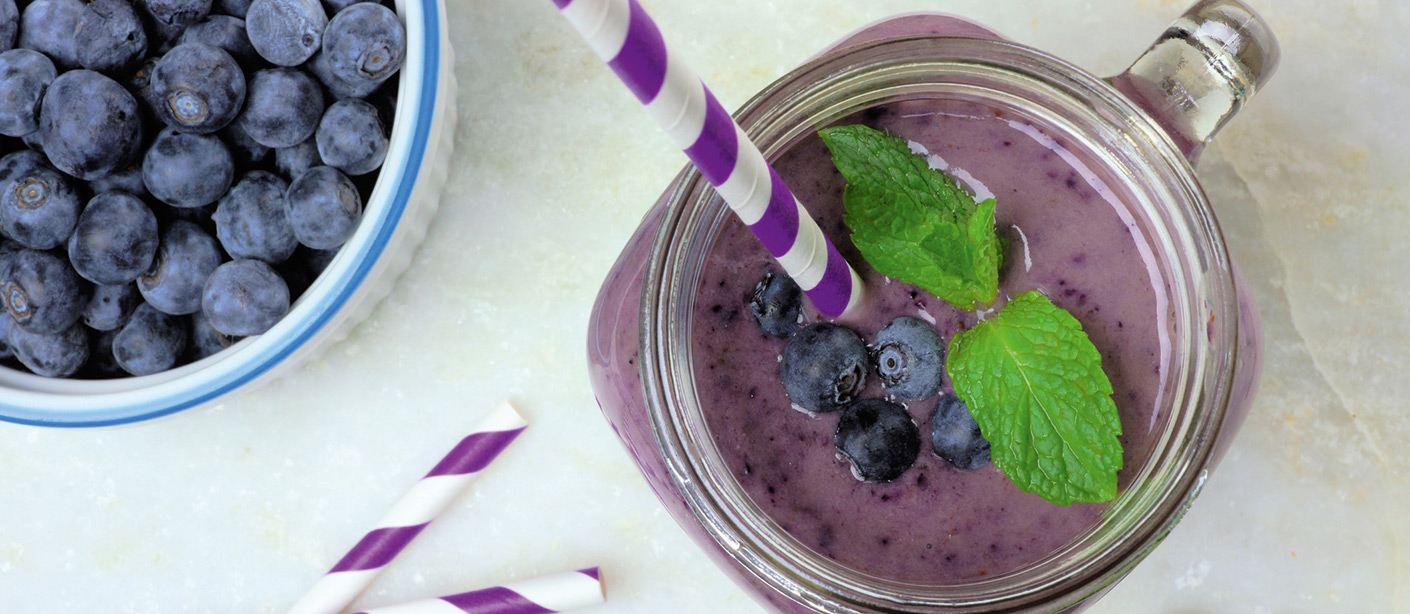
[
  {"x": 556, "y": 593},
  {"x": 625, "y": 37},
  {"x": 416, "y": 509}
]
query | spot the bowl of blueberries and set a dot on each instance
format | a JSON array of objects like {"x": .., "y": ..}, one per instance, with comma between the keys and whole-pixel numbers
[{"x": 198, "y": 195}]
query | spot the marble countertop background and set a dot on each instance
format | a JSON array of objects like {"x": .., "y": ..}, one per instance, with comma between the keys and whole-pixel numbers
[{"x": 239, "y": 508}]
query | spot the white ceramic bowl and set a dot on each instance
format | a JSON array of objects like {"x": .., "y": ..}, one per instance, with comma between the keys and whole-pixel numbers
[{"x": 394, "y": 222}]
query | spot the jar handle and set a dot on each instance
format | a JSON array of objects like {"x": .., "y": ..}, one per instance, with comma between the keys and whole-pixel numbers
[{"x": 1201, "y": 71}]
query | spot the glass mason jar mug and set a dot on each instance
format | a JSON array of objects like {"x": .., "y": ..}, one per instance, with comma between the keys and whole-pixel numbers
[{"x": 1134, "y": 136}]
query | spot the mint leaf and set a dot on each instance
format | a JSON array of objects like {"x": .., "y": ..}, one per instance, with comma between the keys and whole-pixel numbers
[
  {"x": 912, "y": 222},
  {"x": 1035, "y": 385}
]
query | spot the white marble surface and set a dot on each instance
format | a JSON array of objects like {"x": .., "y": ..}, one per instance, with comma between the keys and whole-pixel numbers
[{"x": 238, "y": 508}]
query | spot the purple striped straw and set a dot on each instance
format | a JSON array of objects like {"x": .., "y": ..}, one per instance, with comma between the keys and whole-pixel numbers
[
  {"x": 625, "y": 37},
  {"x": 416, "y": 509},
  {"x": 556, "y": 593}
]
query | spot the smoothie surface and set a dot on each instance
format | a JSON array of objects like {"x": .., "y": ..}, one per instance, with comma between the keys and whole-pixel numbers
[{"x": 1069, "y": 236}]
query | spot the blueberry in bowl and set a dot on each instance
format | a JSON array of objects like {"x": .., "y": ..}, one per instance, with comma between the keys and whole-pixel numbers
[{"x": 195, "y": 276}]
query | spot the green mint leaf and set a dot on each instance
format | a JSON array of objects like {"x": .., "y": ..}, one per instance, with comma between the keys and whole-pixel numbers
[
  {"x": 912, "y": 222},
  {"x": 1035, "y": 385}
]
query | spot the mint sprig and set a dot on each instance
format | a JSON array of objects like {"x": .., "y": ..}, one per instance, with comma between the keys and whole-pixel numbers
[
  {"x": 912, "y": 222},
  {"x": 1034, "y": 383}
]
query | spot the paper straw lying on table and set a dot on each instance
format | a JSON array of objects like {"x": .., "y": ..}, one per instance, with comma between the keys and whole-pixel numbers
[
  {"x": 625, "y": 37},
  {"x": 556, "y": 593},
  {"x": 422, "y": 504}
]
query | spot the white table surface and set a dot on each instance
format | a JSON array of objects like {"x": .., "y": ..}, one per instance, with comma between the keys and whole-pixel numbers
[{"x": 238, "y": 508}]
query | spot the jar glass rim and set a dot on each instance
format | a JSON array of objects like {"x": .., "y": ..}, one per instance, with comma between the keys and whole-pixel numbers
[{"x": 813, "y": 96}]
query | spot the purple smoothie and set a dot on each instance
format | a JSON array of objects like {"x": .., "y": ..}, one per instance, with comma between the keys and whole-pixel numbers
[{"x": 1068, "y": 237}]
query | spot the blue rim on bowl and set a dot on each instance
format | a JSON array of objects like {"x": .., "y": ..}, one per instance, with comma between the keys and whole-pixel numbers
[{"x": 34, "y": 400}]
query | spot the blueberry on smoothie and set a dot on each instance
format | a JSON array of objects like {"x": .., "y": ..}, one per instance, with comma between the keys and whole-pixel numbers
[
  {"x": 364, "y": 43},
  {"x": 824, "y": 367},
  {"x": 185, "y": 258},
  {"x": 42, "y": 292},
  {"x": 227, "y": 33},
  {"x": 24, "y": 77},
  {"x": 150, "y": 342},
  {"x": 48, "y": 26},
  {"x": 244, "y": 297},
  {"x": 175, "y": 14},
  {"x": 115, "y": 239},
  {"x": 909, "y": 358},
  {"x": 187, "y": 170},
  {"x": 878, "y": 438},
  {"x": 58, "y": 354},
  {"x": 955, "y": 435},
  {"x": 39, "y": 207},
  {"x": 776, "y": 303},
  {"x": 252, "y": 219},
  {"x": 282, "y": 108},
  {"x": 286, "y": 32},
  {"x": 351, "y": 137},
  {"x": 198, "y": 88},
  {"x": 110, "y": 37},
  {"x": 89, "y": 124},
  {"x": 111, "y": 306},
  {"x": 324, "y": 207}
]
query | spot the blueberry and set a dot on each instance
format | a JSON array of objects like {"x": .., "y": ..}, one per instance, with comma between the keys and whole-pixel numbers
[
  {"x": 187, "y": 170},
  {"x": 878, "y": 438},
  {"x": 205, "y": 339},
  {"x": 351, "y": 137},
  {"x": 111, "y": 306},
  {"x": 175, "y": 14},
  {"x": 955, "y": 435},
  {"x": 6, "y": 352},
  {"x": 9, "y": 24},
  {"x": 110, "y": 38},
  {"x": 39, "y": 207},
  {"x": 225, "y": 32},
  {"x": 24, "y": 77},
  {"x": 337, "y": 86},
  {"x": 18, "y": 162},
  {"x": 58, "y": 354},
  {"x": 776, "y": 304},
  {"x": 91, "y": 125},
  {"x": 244, "y": 297},
  {"x": 324, "y": 208},
  {"x": 364, "y": 43},
  {"x": 127, "y": 179},
  {"x": 140, "y": 82},
  {"x": 334, "y": 6},
  {"x": 198, "y": 88},
  {"x": 185, "y": 258},
  {"x": 286, "y": 32},
  {"x": 115, "y": 239},
  {"x": 48, "y": 26},
  {"x": 824, "y": 367},
  {"x": 234, "y": 8},
  {"x": 150, "y": 342},
  {"x": 41, "y": 292},
  {"x": 282, "y": 108},
  {"x": 252, "y": 219},
  {"x": 301, "y": 270},
  {"x": 909, "y": 358},
  {"x": 293, "y": 161}
]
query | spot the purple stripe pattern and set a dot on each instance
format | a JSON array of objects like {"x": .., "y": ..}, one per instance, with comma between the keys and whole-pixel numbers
[
  {"x": 474, "y": 452},
  {"x": 641, "y": 63},
  {"x": 591, "y": 572},
  {"x": 717, "y": 149},
  {"x": 778, "y": 229},
  {"x": 377, "y": 548},
  {"x": 494, "y": 600}
]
